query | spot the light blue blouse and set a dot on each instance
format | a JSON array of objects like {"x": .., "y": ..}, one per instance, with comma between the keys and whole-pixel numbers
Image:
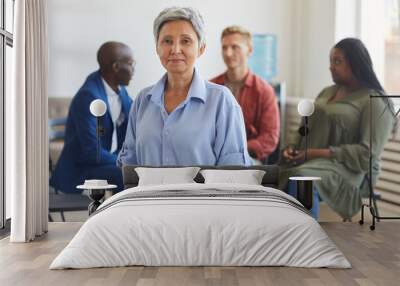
[{"x": 207, "y": 128}]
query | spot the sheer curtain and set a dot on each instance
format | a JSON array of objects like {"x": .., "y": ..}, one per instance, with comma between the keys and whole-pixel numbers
[{"x": 26, "y": 123}]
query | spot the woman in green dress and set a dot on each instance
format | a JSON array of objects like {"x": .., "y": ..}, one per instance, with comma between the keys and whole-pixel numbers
[{"x": 339, "y": 136}]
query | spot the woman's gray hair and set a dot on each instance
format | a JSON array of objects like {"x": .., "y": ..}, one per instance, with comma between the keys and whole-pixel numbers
[{"x": 180, "y": 13}]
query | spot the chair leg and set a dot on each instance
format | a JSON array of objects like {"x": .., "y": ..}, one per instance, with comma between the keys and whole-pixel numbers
[
  {"x": 375, "y": 207},
  {"x": 62, "y": 216}
]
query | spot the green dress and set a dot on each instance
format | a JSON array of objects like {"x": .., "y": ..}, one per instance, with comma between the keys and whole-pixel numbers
[{"x": 343, "y": 126}]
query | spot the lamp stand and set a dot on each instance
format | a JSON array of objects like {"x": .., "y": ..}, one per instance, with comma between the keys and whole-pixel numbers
[
  {"x": 99, "y": 133},
  {"x": 98, "y": 139},
  {"x": 304, "y": 131},
  {"x": 306, "y": 134}
]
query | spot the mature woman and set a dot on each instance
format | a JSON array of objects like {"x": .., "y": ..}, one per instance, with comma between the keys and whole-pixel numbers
[
  {"x": 183, "y": 119},
  {"x": 339, "y": 132}
]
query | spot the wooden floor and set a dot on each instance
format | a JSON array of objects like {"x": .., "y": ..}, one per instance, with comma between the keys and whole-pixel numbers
[{"x": 374, "y": 255}]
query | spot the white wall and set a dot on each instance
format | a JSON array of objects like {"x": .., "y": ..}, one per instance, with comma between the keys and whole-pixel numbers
[
  {"x": 77, "y": 28},
  {"x": 306, "y": 31},
  {"x": 348, "y": 23},
  {"x": 314, "y": 37},
  {"x": 372, "y": 33}
]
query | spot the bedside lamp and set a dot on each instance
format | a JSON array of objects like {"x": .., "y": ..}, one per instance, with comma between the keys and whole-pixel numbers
[
  {"x": 98, "y": 108},
  {"x": 305, "y": 108}
]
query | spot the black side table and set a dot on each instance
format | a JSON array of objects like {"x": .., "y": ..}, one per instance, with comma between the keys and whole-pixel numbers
[
  {"x": 305, "y": 190},
  {"x": 96, "y": 194}
]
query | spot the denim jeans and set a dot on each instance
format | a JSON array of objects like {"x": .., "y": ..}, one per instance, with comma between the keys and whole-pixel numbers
[{"x": 292, "y": 190}]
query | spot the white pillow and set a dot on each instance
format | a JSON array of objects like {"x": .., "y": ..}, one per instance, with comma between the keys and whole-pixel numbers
[
  {"x": 249, "y": 177},
  {"x": 164, "y": 176}
]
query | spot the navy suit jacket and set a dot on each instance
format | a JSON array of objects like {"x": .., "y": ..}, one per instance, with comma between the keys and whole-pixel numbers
[{"x": 80, "y": 146}]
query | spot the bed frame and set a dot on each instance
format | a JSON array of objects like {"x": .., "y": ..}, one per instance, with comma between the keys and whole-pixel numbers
[{"x": 270, "y": 179}]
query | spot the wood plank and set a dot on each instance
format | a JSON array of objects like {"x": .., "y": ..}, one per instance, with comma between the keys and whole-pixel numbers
[
  {"x": 394, "y": 188},
  {"x": 393, "y": 145},
  {"x": 390, "y": 177},
  {"x": 391, "y": 157},
  {"x": 393, "y": 167},
  {"x": 389, "y": 197}
]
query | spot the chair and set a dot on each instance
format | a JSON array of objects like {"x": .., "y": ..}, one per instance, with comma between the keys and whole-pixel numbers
[
  {"x": 56, "y": 139},
  {"x": 58, "y": 201}
]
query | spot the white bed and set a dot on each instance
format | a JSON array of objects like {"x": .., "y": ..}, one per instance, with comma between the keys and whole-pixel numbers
[{"x": 203, "y": 225}]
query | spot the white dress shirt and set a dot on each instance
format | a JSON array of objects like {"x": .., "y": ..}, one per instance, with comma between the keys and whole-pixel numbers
[{"x": 114, "y": 101}]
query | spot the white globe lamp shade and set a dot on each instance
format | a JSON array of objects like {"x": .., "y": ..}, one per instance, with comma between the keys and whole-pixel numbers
[
  {"x": 305, "y": 107},
  {"x": 98, "y": 107}
]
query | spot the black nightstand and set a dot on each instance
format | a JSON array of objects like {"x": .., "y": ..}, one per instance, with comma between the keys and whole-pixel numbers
[{"x": 305, "y": 190}]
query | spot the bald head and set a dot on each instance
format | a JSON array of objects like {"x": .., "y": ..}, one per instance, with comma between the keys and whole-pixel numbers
[
  {"x": 111, "y": 52},
  {"x": 116, "y": 62}
]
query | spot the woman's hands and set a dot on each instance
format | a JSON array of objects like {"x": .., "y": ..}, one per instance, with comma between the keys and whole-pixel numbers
[
  {"x": 292, "y": 155},
  {"x": 295, "y": 157}
]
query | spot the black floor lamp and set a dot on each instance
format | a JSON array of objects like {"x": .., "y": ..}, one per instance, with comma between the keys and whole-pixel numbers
[
  {"x": 372, "y": 210},
  {"x": 98, "y": 108},
  {"x": 305, "y": 109}
]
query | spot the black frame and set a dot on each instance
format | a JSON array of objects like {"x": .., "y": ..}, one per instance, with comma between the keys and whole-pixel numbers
[
  {"x": 370, "y": 205},
  {"x": 6, "y": 39}
]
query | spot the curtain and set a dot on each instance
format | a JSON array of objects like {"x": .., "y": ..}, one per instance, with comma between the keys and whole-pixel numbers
[{"x": 26, "y": 123}]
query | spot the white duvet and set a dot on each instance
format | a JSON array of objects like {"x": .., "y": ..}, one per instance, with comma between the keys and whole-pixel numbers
[{"x": 206, "y": 230}]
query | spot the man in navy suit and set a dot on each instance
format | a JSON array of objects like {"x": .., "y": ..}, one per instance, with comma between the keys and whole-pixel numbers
[{"x": 78, "y": 160}]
